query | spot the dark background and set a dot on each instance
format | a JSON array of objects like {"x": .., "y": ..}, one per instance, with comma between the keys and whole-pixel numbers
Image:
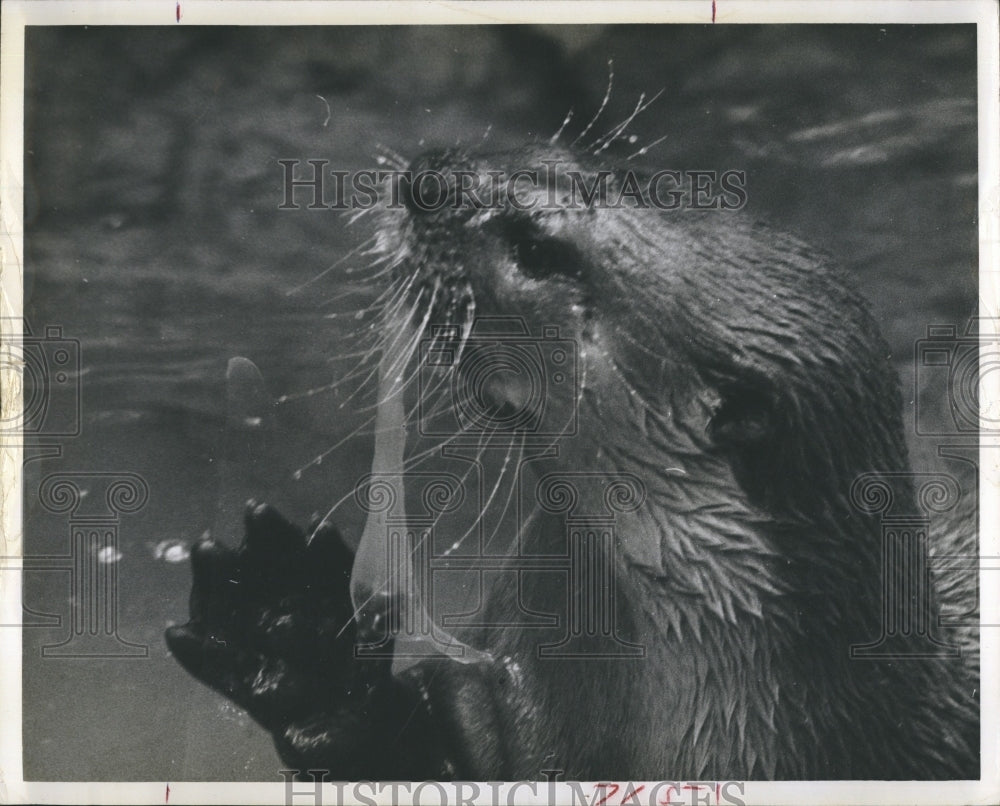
[{"x": 153, "y": 236}]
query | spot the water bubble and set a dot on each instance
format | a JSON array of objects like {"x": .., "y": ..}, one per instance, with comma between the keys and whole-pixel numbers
[
  {"x": 172, "y": 551},
  {"x": 109, "y": 555}
]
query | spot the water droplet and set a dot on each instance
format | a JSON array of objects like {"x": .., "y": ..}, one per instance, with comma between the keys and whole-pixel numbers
[
  {"x": 173, "y": 551},
  {"x": 109, "y": 555}
]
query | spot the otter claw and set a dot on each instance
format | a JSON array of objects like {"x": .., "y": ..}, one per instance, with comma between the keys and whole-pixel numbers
[
  {"x": 267, "y": 531},
  {"x": 262, "y": 617},
  {"x": 211, "y": 562},
  {"x": 328, "y": 555},
  {"x": 185, "y": 645},
  {"x": 213, "y": 572}
]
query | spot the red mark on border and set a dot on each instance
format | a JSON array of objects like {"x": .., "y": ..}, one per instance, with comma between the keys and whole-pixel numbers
[
  {"x": 179, "y": 12},
  {"x": 630, "y": 793},
  {"x": 614, "y": 789},
  {"x": 167, "y": 798},
  {"x": 713, "y": 10},
  {"x": 633, "y": 794}
]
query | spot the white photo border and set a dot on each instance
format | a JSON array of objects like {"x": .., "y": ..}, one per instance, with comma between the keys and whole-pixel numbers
[{"x": 16, "y": 14}]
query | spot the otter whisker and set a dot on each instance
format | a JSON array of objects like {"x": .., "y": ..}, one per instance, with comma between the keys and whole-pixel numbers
[
  {"x": 359, "y": 371},
  {"x": 351, "y": 289},
  {"x": 511, "y": 490},
  {"x": 635, "y": 395},
  {"x": 408, "y": 351},
  {"x": 318, "y": 460},
  {"x": 292, "y": 397},
  {"x": 483, "y": 445},
  {"x": 555, "y": 137},
  {"x": 397, "y": 300},
  {"x": 645, "y": 149},
  {"x": 613, "y": 135},
  {"x": 470, "y": 467},
  {"x": 365, "y": 330},
  {"x": 320, "y": 522},
  {"x": 355, "y": 215},
  {"x": 604, "y": 103},
  {"x": 436, "y": 392},
  {"x": 414, "y": 460},
  {"x": 403, "y": 384},
  {"x": 379, "y": 259},
  {"x": 389, "y": 156},
  {"x": 364, "y": 354},
  {"x": 351, "y": 253},
  {"x": 403, "y": 361},
  {"x": 469, "y": 316},
  {"x": 375, "y": 252},
  {"x": 375, "y": 271}
]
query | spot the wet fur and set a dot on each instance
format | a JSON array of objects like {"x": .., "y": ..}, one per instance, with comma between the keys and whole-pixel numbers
[{"x": 736, "y": 373}]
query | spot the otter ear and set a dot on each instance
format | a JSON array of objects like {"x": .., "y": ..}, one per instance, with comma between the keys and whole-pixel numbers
[
  {"x": 750, "y": 427},
  {"x": 744, "y": 416}
]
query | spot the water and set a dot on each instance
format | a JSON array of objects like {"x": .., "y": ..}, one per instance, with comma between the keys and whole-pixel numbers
[{"x": 153, "y": 237}]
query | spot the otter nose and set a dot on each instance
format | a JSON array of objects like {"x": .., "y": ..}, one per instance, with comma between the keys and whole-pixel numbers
[{"x": 436, "y": 182}]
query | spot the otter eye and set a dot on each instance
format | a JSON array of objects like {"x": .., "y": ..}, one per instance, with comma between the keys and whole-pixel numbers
[
  {"x": 541, "y": 256},
  {"x": 745, "y": 416},
  {"x": 542, "y": 259}
]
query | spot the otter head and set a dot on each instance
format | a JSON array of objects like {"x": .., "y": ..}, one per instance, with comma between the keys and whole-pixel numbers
[{"x": 722, "y": 363}]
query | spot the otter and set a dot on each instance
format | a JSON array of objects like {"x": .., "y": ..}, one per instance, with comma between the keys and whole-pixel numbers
[{"x": 736, "y": 375}]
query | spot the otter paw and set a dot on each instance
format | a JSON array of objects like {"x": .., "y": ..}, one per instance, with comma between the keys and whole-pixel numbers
[{"x": 272, "y": 627}]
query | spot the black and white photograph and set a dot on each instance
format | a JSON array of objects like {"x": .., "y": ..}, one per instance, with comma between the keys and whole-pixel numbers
[{"x": 399, "y": 400}]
